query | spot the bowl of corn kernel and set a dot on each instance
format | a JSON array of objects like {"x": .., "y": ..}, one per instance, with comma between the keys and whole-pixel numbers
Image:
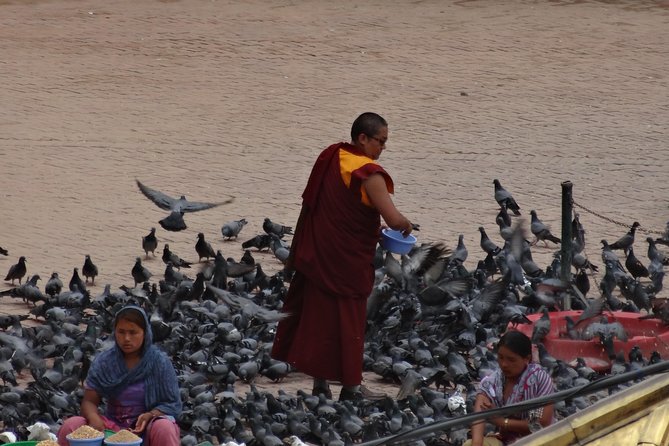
[
  {"x": 85, "y": 436},
  {"x": 123, "y": 438}
]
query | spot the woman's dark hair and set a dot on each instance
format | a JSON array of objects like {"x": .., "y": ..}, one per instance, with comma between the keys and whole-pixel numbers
[
  {"x": 517, "y": 342},
  {"x": 131, "y": 315},
  {"x": 368, "y": 123}
]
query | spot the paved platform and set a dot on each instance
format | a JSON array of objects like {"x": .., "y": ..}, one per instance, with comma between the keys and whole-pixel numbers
[{"x": 213, "y": 99}]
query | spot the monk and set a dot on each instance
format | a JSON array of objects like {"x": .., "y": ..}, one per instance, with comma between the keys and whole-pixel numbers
[{"x": 332, "y": 255}]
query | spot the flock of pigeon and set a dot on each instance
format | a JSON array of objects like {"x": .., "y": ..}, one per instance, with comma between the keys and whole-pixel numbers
[{"x": 431, "y": 327}]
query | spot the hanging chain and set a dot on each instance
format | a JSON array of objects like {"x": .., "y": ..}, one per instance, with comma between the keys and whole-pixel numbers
[{"x": 615, "y": 222}]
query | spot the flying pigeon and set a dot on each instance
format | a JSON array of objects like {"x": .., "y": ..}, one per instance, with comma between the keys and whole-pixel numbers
[{"x": 177, "y": 207}]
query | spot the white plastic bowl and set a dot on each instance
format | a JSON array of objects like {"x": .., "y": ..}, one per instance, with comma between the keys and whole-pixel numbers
[{"x": 395, "y": 242}]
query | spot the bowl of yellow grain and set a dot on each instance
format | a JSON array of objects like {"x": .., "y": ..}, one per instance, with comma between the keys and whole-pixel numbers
[
  {"x": 123, "y": 438},
  {"x": 85, "y": 436}
]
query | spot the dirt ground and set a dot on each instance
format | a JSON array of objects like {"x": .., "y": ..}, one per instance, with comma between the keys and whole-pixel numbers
[{"x": 218, "y": 98}]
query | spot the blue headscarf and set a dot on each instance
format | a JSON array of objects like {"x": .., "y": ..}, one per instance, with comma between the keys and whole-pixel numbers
[{"x": 109, "y": 375}]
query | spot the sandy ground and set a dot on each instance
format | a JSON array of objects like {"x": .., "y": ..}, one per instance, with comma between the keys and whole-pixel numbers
[{"x": 214, "y": 99}]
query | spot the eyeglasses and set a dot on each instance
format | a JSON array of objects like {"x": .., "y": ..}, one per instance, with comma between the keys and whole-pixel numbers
[{"x": 380, "y": 141}]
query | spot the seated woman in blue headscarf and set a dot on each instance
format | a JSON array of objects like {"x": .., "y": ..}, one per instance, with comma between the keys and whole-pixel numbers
[{"x": 138, "y": 383}]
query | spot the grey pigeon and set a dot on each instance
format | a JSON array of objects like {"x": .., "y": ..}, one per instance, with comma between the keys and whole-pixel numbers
[
  {"x": 542, "y": 327},
  {"x": 609, "y": 256},
  {"x": 504, "y": 215},
  {"x": 487, "y": 245},
  {"x": 260, "y": 242},
  {"x": 89, "y": 269},
  {"x": 233, "y": 228},
  {"x": 582, "y": 281},
  {"x": 505, "y": 230},
  {"x": 626, "y": 240},
  {"x": 172, "y": 276},
  {"x": 460, "y": 253},
  {"x": 654, "y": 254},
  {"x": 139, "y": 273},
  {"x": 541, "y": 231},
  {"x": 203, "y": 248},
  {"x": 578, "y": 234},
  {"x": 634, "y": 265},
  {"x": 177, "y": 207},
  {"x": 17, "y": 271},
  {"x": 76, "y": 284},
  {"x": 169, "y": 256},
  {"x": 54, "y": 285},
  {"x": 150, "y": 243},
  {"x": 275, "y": 228},
  {"x": 505, "y": 199},
  {"x": 280, "y": 250},
  {"x": 27, "y": 291}
]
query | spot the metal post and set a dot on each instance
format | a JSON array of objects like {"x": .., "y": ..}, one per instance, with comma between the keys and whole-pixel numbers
[{"x": 566, "y": 245}]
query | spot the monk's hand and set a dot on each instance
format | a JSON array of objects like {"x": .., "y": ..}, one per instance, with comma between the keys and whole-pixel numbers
[{"x": 406, "y": 230}]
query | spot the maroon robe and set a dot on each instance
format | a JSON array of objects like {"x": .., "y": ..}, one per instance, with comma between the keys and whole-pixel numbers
[{"x": 332, "y": 253}]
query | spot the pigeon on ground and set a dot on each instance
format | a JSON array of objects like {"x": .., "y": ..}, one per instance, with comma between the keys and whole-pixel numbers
[
  {"x": 76, "y": 284},
  {"x": 260, "y": 242},
  {"x": 541, "y": 231},
  {"x": 504, "y": 215},
  {"x": 505, "y": 231},
  {"x": 542, "y": 327},
  {"x": 204, "y": 248},
  {"x": 169, "y": 256},
  {"x": 177, "y": 207},
  {"x": 139, "y": 272},
  {"x": 28, "y": 291},
  {"x": 626, "y": 240},
  {"x": 577, "y": 234},
  {"x": 487, "y": 245},
  {"x": 89, "y": 269},
  {"x": 275, "y": 228},
  {"x": 634, "y": 265},
  {"x": 172, "y": 276},
  {"x": 609, "y": 256},
  {"x": 505, "y": 199},
  {"x": 233, "y": 228},
  {"x": 150, "y": 243},
  {"x": 54, "y": 285},
  {"x": 17, "y": 271},
  {"x": 279, "y": 249},
  {"x": 460, "y": 253},
  {"x": 654, "y": 254},
  {"x": 3, "y": 251}
]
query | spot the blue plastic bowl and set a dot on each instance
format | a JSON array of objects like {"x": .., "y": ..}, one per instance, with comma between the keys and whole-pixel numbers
[
  {"x": 394, "y": 241},
  {"x": 129, "y": 443},
  {"x": 85, "y": 441}
]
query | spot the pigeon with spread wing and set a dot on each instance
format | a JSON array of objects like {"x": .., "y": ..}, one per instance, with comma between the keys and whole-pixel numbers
[{"x": 176, "y": 206}]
